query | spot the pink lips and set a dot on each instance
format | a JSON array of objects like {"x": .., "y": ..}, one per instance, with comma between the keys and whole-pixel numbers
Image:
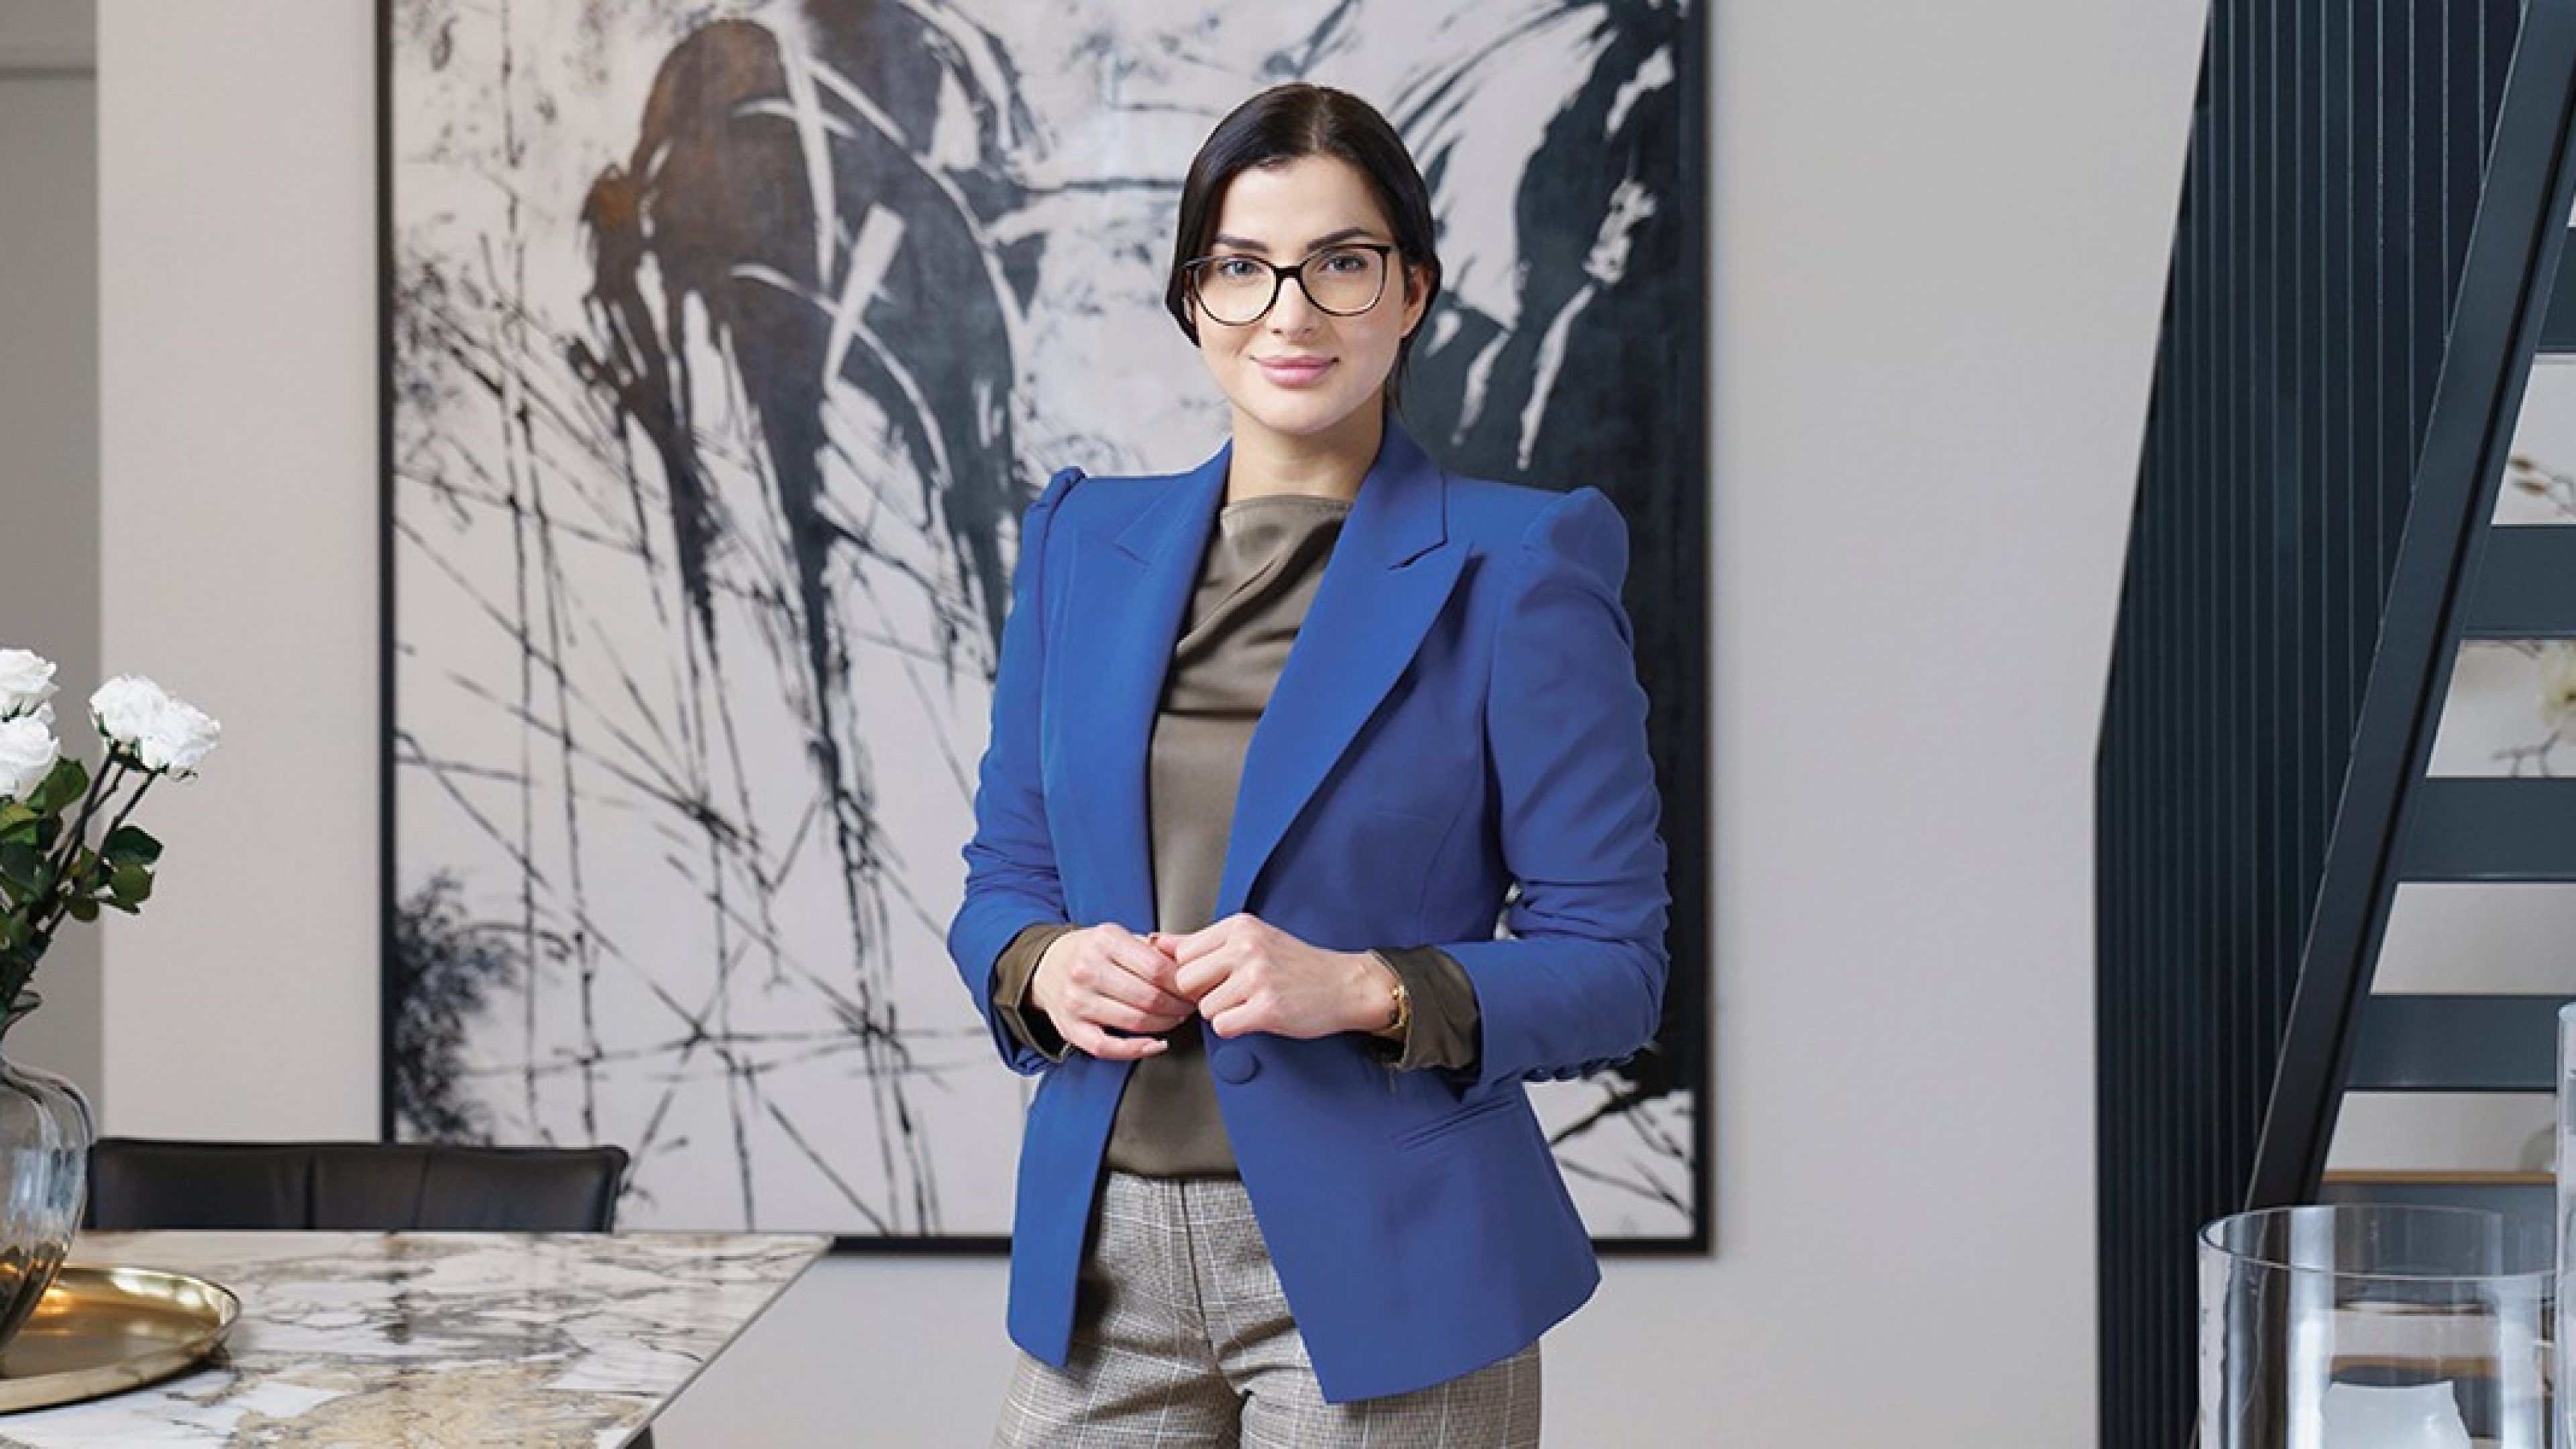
[{"x": 1293, "y": 371}]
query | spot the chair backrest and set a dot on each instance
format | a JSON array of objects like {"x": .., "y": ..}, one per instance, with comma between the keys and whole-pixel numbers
[{"x": 367, "y": 1186}]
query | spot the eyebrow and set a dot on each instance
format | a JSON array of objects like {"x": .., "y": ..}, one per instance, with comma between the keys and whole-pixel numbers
[{"x": 1242, "y": 244}]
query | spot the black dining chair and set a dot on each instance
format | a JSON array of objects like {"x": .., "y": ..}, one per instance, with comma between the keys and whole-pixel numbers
[
  {"x": 139, "y": 1182},
  {"x": 142, "y": 1182}
]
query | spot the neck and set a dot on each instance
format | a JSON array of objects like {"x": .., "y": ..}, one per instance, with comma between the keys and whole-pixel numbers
[{"x": 1265, "y": 464}]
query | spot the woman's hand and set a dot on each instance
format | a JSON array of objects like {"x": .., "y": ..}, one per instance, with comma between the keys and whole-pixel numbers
[
  {"x": 1104, "y": 979},
  {"x": 1248, "y": 975}
]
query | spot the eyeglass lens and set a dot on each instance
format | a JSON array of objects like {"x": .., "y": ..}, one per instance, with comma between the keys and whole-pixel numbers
[{"x": 1344, "y": 281}]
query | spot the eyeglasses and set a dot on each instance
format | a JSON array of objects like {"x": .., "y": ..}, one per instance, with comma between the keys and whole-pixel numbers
[{"x": 1237, "y": 291}]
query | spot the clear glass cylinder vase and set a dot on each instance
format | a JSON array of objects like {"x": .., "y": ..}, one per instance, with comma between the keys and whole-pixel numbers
[
  {"x": 2374, "y": 1326},
  {"x": 2565, "y": 1164},
  {"x": 45, "y": 1136}
]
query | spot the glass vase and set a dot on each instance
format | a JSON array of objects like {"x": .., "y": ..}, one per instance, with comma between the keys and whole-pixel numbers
[
  {"x": 2565, "y": 1165},
  {"x": 45, "y": 1136},
  {"x": 2374, "y": 1326}
]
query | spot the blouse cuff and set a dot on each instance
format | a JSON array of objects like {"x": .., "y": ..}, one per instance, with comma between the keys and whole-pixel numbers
[
  {"x": 1447, "y": 1030},
  {"x": 1012, "y": 975}
]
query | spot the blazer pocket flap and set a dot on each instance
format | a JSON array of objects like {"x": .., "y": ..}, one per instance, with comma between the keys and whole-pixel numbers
[{"x": 1467, "y": 1115}]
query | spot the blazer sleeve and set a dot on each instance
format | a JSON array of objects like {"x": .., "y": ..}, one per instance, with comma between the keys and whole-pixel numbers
[
  {"x": 1011, "y": 880},
  {"x": 1577, "y": 982}
]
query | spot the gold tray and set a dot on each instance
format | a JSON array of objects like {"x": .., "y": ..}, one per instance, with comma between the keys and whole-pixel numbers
[{"x": 101, "y": 1330}]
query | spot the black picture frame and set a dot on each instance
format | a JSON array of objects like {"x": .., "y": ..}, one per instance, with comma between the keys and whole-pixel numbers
[{"x": 616, "y": 486}]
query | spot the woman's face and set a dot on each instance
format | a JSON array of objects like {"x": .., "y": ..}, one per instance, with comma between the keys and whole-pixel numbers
[{"x": 1302, "y": 377}]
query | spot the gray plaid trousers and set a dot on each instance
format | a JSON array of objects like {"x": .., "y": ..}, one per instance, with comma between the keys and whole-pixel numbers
[{"x": 1183, "y": 1338}]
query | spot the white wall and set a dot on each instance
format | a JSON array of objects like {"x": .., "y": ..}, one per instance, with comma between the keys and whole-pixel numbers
[
  {"x": 49, "y": 427},
  {"x": 238, "y": 517},
  {"x": 1940, "y": 239}
]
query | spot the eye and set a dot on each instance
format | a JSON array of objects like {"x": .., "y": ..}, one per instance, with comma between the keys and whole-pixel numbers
[
  {"x": 1235, "y": 269},
  {"x": 1344, "y": 261}
]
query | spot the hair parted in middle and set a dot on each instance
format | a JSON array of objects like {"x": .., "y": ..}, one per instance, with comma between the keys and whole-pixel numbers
[{"x": 1286, "y": 123}]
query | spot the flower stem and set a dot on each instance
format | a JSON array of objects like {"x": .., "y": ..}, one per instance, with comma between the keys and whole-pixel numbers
[
  {"x": 101, "y": 790},
  {"x": 45, "y": 913},
  {"x": 130, "y": 802},
  {"x": 101, "y": 786}
]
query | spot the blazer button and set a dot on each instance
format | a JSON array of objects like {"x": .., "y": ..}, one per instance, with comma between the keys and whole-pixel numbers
[{"x": 1237, "y": 1066}]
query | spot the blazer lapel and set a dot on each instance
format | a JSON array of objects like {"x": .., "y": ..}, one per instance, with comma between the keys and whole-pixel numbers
[
  {"x": 1391, "y": 572},
  {"x": 1120, "y": 613}
]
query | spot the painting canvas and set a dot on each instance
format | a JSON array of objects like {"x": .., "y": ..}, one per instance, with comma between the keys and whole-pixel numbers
[{"x": 724, "y": 344}]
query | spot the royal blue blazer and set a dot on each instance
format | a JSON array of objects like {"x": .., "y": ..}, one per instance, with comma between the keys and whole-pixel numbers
[{"x": 1453, "y": 756}]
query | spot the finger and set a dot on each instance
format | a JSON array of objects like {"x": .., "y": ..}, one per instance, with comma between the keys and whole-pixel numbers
[
  {"x": 1122, "y": 1017},
  {"x": 1225, "y": 1002},
  {"x": 1098, "y": 1043},
  {"x": 1127, "y": 1048},
  {"x": 1195, "y": 979},
  {"x": 1198, "y": 943},
  {"x": 1167, "y": 979},
  {"x": 1102, "y": 991},
  {"x": 1142, "y": 977},
  {"x": 1168, "y": 966},
  {"x": 1237, "y": 1019},
  {"x": 1149, "y": 998},
  {"x": 1117, "y": 965},
  {"x": 1154, "y": 1017},
  {"x": 1108, "y": 979}
]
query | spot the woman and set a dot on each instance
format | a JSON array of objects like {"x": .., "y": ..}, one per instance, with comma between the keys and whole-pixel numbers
[{"x": 1236, "y": 901}]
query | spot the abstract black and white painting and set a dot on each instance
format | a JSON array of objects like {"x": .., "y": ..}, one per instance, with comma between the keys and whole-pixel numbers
[{"x": 725, "y": 343}]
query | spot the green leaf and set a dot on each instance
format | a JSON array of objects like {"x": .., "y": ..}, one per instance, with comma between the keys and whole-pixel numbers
[
  {"x": 23, "y": 870},
  {"x": 129, "y": 843},
  {"x": 83, "y": 908},
  {"x": 129, "y": 885},
  {"x": 61, "y": 789}
]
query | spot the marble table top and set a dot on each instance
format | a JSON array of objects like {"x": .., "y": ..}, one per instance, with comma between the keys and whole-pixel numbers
[{"x": 431, "y": 1340}]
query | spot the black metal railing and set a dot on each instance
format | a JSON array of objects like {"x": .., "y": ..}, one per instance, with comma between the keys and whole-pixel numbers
[{"x": 2336, "y": 175}]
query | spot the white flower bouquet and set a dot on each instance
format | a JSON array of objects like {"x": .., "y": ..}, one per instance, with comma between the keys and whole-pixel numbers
[{"x": 66, "y": 848}]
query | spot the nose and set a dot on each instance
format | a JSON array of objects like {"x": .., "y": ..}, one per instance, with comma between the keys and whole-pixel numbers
[{"x": 1293, "y": 313}]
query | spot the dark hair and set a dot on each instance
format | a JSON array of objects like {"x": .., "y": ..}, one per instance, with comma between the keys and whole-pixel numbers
[{"x": 1285, "y": 123}]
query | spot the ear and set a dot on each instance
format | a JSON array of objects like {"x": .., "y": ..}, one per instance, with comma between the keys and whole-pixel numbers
[{"x": 1417, "y": 296}]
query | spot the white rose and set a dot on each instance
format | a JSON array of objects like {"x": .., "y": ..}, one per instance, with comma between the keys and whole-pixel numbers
[
  {"x": 26, "y": 681},
  {"x": 145, "y": 723},
  {"x": 27, "y": 753}
]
